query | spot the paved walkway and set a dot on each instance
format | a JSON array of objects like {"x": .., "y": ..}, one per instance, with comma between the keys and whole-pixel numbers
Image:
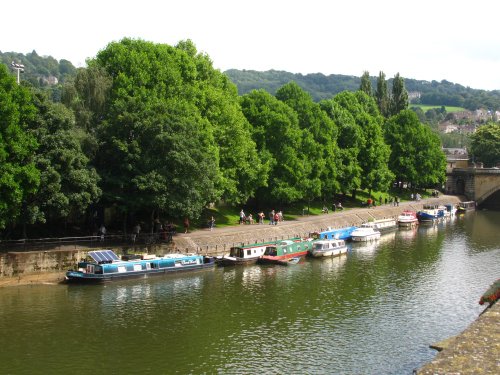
[{"x": 225, "y": 237}]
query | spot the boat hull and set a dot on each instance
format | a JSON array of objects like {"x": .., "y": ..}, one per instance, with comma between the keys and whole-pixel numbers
[
  {"x": 234, "y": 261},
  {"x": 367, "y": 238},
  {"x": 281, "y": 259},
  {"x": 328, "y": 253},
  {"x": 78, "y": 277}
]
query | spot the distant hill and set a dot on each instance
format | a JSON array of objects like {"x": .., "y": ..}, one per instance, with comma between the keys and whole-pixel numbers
[
  {"x": 41, "y": 71},
  {"x": 324, "y": 87}
]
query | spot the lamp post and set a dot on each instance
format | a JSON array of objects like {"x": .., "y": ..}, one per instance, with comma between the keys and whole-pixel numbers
[{"x": 19, "y": 68}]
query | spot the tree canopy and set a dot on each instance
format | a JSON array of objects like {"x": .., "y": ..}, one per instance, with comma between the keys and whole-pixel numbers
[
  {"x": 18, "y": 173},
  {"x": 485, "y": 145}
]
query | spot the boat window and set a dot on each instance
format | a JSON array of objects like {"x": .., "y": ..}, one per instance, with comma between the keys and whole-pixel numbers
[
  {"x": 233, "y": 252},
  {"x": 249, "y": 252},
  {"x": 270, "y": 250}
]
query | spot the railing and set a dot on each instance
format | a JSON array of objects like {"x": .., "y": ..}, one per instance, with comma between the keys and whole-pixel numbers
[{"x": 40, "y": 244}]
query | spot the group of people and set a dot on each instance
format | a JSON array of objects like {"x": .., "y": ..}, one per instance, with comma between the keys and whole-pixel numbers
[{"x": 274, "y": 217}]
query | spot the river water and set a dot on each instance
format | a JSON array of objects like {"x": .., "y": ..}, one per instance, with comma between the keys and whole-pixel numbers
[{"x": 372, "y": 311}]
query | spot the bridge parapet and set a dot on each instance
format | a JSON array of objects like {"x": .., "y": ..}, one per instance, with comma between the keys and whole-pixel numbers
[{"x": 476, "y": 184}]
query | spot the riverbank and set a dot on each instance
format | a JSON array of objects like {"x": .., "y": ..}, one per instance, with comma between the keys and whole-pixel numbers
[
  {"x": 474, "y": 351},
  {"x": 28, "y": 268}
]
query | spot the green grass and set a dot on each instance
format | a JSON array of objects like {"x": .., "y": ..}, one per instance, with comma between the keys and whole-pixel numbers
[{"x": 449, "y": 109}]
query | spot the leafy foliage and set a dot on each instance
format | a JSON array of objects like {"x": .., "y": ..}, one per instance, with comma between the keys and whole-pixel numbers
[
  {"x": 68, "y": 185},
  {"x": 416, "y": 155},
  {"x": 18, "y": 173},
  {"x": 279, "y": 141},
  {"x": 485, "y": 144}
]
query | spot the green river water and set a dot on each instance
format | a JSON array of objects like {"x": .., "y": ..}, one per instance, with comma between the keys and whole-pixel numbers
[{"x": 372, "y": 311}]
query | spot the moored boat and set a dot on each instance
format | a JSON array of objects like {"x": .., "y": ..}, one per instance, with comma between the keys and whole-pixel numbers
[
  {"x": 381, "y": 225},
  {"x": 451, "y": 209},
  {"x": 407, "y": 218},
  {"x": 285, "y": 250},
  {"x": 246, "y": 254},
  {"x": 105, "y": 265},
  {"x": 363, "y": 234},
  {"x": 338, "y": 233},
  {"x": 430, "y": 213},
  {"x": 328, "y": 248},
  {"x": 463, "y": 207}
]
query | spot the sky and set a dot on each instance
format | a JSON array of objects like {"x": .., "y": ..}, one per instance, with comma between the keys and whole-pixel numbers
[{"x": 453, "y": 40}]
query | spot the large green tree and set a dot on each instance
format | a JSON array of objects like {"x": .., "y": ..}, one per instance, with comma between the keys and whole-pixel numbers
[
  {"x": 157, "y": 152},
  {"x": 319, "y": 140},
  {"x": 399, "y": 96},
  {"x": 416, "y": 155},
  {"x": 366, "y": 84},
  {"x": 278, "y": 136},
  {"x": 218, "y": 102},
  {"x": 349, "y": 141},
  {"x": 68, "y": 184},
  {"x": 19, "y": 176},
  {"x": 485, "y": 144},
  {"x": 373, "y": 155}
]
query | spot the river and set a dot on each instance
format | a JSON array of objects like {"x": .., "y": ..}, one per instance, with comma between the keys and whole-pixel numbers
[{"x": 372, "y": 311}]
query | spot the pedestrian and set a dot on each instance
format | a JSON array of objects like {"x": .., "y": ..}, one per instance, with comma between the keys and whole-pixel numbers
[
  {"x": 380, "y": 201},
  {"x": 271, "y": 217},
  {"x": 102, "y": 232},
  {"x": 276, "y": 218},
  {"x": 242, "y": 217},
  {"x": 135, "y": 232},
  {"x": 211, "y": 223},
  {"x": 397, "y": 201},
  {"x": 186, "y": 225},
  {"x": 411, "y": 196},
  {"x": 261, "y": 217}
]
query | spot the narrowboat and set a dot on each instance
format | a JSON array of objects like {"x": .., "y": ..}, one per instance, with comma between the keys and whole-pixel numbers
[
  {"x": 381, "y": 225},
  {"x": 337, "y": 234},
  {"x": 283, "y": 251},
  {"x": 105, "y": 265},
  {"x": 463, "y": 207},
  {"x": 246, "y": 254},
  {"x": 407, "y": 218},
  {"x": 430, "y": 213},
  {"x": 364, "y": 234},
  {"x": 328, "y": 248}
]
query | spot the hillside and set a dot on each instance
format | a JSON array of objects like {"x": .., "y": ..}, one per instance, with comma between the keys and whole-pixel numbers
[
  {"x": 324, "y": 87},
  {"x": 41, "y": 71}
]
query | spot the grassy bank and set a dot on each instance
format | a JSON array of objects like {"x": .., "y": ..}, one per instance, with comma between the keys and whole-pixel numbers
[{"x": 226, "y": 215}]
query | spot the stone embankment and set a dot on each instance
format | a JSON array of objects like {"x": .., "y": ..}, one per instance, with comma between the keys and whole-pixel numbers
[
  {"x": 28, "y": 267},
  {"x": 219, "y": 241},
  {"x": 475, "y": 351}
]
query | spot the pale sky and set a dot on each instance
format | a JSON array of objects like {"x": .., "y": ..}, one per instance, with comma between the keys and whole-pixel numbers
[{"x": 456, "y": 40}]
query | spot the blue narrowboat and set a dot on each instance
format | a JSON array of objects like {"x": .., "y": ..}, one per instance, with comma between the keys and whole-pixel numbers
[
  {"x": 105, "y": 265},
  {"x": 335, "y": 234}
]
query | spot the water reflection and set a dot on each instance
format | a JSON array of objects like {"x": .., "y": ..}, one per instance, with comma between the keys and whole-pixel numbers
[{"x": 372, "y": 311}]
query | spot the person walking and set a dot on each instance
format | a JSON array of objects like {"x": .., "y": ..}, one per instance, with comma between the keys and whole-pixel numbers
[
  {"x": 211, "y": 223},
  {"x": 271, "y": 217},
  {"x": 186, "y": 225}
]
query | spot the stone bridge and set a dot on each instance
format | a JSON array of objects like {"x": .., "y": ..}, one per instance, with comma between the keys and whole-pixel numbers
[{"x": 477, "y": 184}]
